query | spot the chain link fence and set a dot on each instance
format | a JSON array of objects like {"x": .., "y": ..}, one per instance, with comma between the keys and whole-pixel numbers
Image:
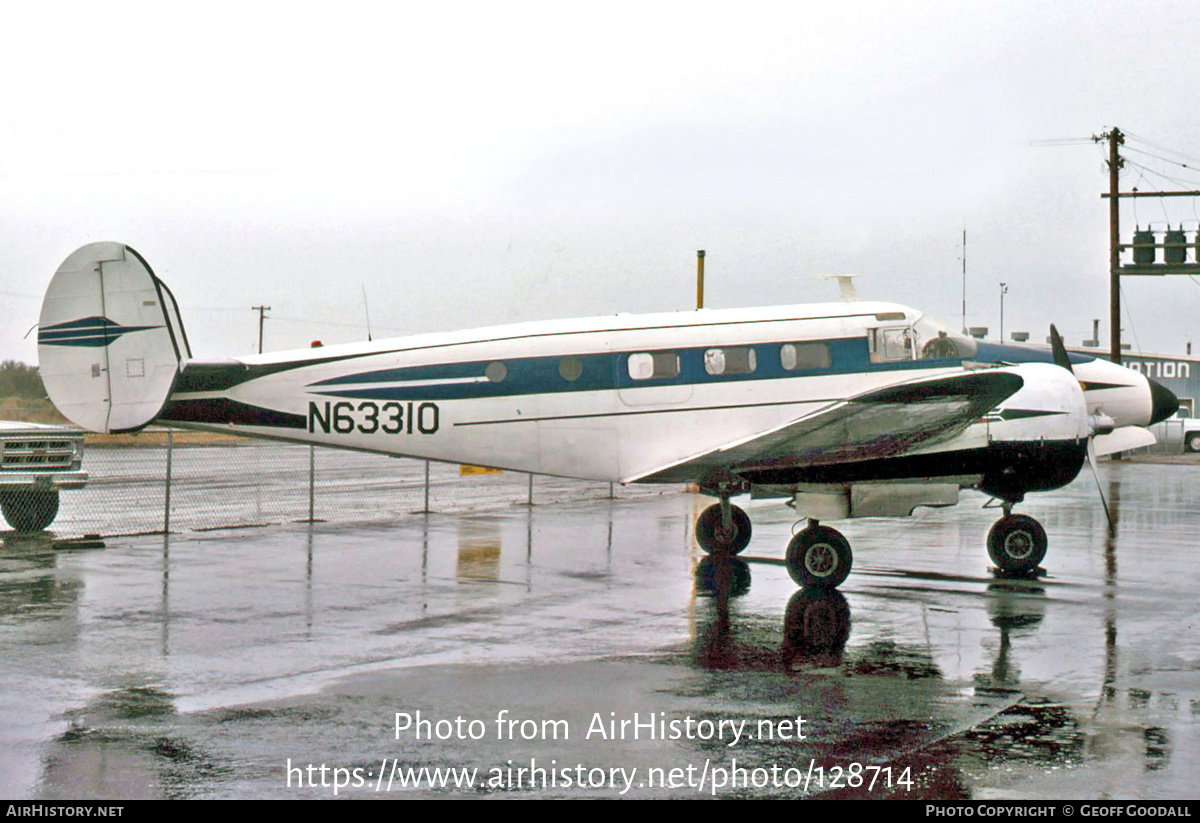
[
  {"x": 1170, "y": 438},
  {"x": 161, "y": 480}
]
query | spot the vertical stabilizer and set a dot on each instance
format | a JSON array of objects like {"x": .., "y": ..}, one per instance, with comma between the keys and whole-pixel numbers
[{"x": 110, "y": 341}]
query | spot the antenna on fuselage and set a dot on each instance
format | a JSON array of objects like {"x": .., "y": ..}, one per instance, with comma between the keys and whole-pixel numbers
[
  {"x": 964, "y": 279},
  {"x": 845, "y": 285},
  {"x": 367, "y": 311}
]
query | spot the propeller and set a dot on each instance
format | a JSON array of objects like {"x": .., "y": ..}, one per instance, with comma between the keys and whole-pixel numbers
[
  {"x": 1101, "y": 423},
  {"x": 1059, "y": 350},
  {"x": 1091, "y": 460}
]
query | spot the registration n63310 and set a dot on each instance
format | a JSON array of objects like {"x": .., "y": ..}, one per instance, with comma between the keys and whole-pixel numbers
[{"x": 368, "y": 417}]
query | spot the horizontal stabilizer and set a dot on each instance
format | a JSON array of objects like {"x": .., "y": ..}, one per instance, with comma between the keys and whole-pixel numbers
[{"x": 109, "y": 339}]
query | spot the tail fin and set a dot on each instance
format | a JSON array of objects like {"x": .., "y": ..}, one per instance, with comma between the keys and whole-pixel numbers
[{"x": 110, "y": 341}]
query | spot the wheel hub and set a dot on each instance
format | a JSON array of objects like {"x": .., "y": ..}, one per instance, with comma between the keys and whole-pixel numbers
[
  {"x": 1018, "y": 545},
  {"x": 821, "y": 560}
]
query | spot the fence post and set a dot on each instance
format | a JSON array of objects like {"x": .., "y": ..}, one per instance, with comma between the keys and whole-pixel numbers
[
  {"x": 529, "y": 502},
  {"x": 167, "y": 495},
  {"x": 425, "y": 510},
  {"x": 312, "y": 470}
]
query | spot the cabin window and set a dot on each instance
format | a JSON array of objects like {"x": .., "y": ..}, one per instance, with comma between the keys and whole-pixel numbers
[
  {"x": 796, "y": 356},
  {"x": 570, "y": 368},
  {"x": 496, "y": 372},
  {"x": 650, "y": 365},
  {"x": 738, "y": 360}
]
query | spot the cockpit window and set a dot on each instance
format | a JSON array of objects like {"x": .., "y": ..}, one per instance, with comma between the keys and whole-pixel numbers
[
  {"x": 896, "y": 344},
  {"x": 935, "y": 341},
  {"x": 941, "y": 347},
  {"x": 924, "y": 339}
]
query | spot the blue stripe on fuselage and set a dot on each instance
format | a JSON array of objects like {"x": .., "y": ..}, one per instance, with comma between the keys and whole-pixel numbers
[{"x": 599, "y": 372}]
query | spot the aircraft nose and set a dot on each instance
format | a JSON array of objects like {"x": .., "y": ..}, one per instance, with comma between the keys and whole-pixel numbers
[{"x": 1163, "y": 402}]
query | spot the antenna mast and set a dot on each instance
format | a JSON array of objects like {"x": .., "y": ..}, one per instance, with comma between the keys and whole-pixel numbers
[
  {"x": 366, "y": 311},
  {"x": 964, "y": 267}
]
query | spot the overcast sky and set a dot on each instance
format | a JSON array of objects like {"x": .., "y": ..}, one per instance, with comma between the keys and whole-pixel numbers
[{"x": 470, "y": 164}]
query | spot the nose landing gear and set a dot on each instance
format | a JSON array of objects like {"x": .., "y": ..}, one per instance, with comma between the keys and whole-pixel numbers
[{"x": 1016, "y": 543}]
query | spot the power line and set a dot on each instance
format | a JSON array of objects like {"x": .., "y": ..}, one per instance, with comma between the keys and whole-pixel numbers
[
  {"x": 1167, "y": 149},
  {"x": 1053, "y": 142},
  {"x": 1178, "y": 181},
  {"x": 1194, "y": 167},
  {"x": 1129, "y": 314},
  {"x": 308, "y": 321}
]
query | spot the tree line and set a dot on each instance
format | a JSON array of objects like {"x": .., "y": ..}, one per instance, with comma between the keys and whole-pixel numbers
[{"x": 19, "y": 380}]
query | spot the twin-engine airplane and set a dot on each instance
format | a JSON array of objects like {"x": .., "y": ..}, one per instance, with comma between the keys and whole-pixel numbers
[{"x": 848, "y": 409}]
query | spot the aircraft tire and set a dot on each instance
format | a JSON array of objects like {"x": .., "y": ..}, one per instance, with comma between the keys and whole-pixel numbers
[
  {"x": 1017, "y": 543},
  {"x": 709, "y": 533},
  {"x": 29, "y": 511},
  {"x": 819, "y": 557}
]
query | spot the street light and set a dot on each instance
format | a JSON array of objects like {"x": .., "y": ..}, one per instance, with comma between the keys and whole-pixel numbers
[{"x": 1003, "y": 291}]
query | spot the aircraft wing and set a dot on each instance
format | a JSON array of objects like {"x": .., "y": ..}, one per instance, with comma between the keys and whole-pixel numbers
[{"x": 885, "y": 422}]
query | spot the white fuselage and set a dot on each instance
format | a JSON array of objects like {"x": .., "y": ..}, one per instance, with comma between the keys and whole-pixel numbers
[{"x": 613, "y": 398}]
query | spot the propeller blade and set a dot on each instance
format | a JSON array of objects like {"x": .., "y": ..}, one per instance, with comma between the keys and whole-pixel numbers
[
  {"x": 1091, "y": 459},
  {"x": 1060, "y": 350}
]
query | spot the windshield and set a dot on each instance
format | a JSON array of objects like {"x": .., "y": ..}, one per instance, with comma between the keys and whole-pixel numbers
[{"x": 935, "y": 341}]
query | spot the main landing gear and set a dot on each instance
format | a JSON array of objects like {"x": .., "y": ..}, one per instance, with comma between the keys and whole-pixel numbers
[
  {"x": 818, "y": 557},
  {"x": 723, "y": 528},
  {"x": 1016, "y": 543}
]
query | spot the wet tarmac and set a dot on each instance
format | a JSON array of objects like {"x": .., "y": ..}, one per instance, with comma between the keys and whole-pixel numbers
[{"x": 583, "y": 649}]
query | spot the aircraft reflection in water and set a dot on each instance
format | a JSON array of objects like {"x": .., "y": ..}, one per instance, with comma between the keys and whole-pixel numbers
[
  {"x": 881, "y": 703},
  {"x": 891, "y": 701},
  {"x": 844, "y": 699},
  {"x": 846, "y": 409},
  {"x": 816, "y": 623}
]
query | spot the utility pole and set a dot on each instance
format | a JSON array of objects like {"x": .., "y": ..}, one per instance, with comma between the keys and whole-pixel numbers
[
  {"x": 700, "y": 279},
  {"x": 262, "y": 315},
  {"x": 1115, "y": 138},
  {"x": 1144, "y": 245}
]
